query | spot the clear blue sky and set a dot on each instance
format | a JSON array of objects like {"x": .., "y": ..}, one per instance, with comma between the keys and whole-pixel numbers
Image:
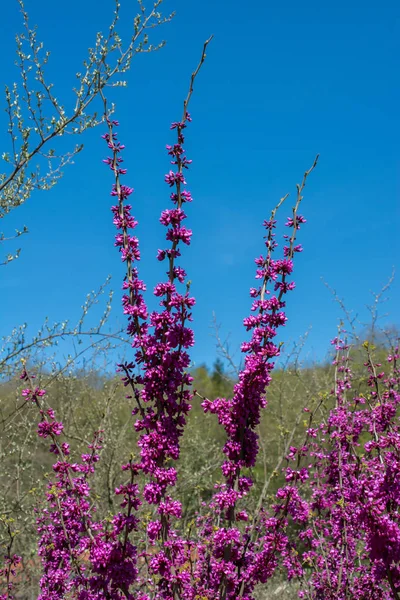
[{"x": 282, "y": 82}]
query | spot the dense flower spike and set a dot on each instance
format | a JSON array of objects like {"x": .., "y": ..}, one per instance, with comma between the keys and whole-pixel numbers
[
  {"x": 160, "y": 385},
  {"x": 234, "y": 557}
]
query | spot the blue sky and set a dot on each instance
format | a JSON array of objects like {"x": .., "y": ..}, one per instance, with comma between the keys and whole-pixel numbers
[{"x": 282, "y": 82}]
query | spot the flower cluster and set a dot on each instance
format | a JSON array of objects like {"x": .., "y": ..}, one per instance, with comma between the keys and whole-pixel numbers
[
  {"x": 9, "y": 570},
  {"x": 80, "y": 556},
  {"x": 348, "y": 494},
  {"x": 160, "y": 386},
  {"x": 237, "y": 564}
]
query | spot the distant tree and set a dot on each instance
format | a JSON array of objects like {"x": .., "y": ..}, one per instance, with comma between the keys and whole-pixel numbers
[{"x": 36, "y": 117}]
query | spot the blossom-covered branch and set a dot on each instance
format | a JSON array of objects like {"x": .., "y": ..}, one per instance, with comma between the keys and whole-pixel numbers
[{"x": 36, "y": 117}]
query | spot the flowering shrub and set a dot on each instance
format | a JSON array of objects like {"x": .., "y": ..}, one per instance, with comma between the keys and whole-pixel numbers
[{"x": 334, "y": 524}]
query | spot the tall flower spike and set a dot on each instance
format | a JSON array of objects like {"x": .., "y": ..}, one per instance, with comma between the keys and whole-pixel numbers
[
  {"x": 161, "y": 383},
  {"x": 241, "y": 415},
  {"x": 165, "y": 381}
]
